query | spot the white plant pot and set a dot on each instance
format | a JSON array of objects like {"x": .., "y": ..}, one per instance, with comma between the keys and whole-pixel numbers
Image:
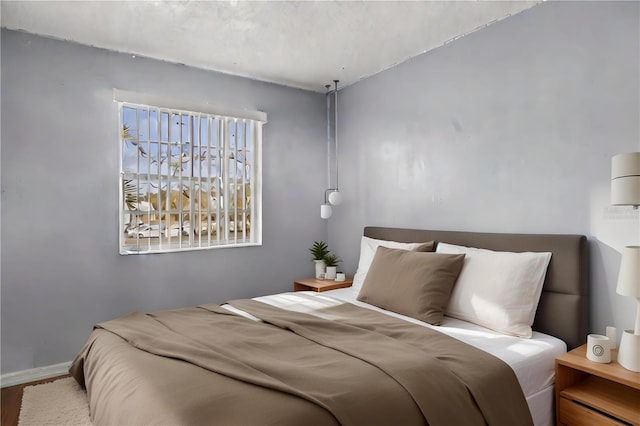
[
  {"x": 331, "y": 272},
  {"x": 320, "y": 268}
]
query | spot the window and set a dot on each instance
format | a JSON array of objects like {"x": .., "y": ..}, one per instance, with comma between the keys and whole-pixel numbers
[{"x": 189, "y": 180}]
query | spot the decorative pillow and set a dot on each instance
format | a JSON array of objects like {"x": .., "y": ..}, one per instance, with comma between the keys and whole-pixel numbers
[
  {"x": 416, "y": 284},
  {"x": 368, "y": 248},
  {"x": 497, "y": 289}
]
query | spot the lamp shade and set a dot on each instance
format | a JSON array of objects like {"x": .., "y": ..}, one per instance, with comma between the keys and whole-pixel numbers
[
  {"x": 325, "y": 211},
  {"x": 335, "y": 198},
  {"x": 625, "y": 179},
  {"x": 629, "y": 276}
]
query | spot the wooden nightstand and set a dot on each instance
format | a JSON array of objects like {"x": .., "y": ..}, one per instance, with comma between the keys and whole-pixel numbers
[
  {"x": 590, "y": 393},
  {"x": 312, "y": 284}
]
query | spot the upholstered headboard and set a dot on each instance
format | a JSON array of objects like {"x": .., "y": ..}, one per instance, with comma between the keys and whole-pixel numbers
[{"x": 564, "y": 304}]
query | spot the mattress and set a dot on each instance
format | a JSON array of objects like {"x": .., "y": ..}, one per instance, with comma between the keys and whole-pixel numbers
[{"x": 533, "y": 360}]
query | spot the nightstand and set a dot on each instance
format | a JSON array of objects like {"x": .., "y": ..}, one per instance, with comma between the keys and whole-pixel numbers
[
  {"x": 590, "y": 393},
  {"x": 313, "y": 284}
]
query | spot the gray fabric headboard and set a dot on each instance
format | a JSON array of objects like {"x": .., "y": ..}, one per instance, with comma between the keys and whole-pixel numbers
[{"x": 564, "y": 304}]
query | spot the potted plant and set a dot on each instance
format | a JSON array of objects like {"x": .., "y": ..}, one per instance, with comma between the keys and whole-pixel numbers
[
  {"x": 331, "y": 262},
  {"x": 319, "y": 250}
]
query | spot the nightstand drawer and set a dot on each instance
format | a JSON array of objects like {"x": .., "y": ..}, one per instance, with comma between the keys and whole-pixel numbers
[{"x": 574, "y": 414}]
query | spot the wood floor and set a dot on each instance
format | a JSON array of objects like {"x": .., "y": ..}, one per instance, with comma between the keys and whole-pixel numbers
[{"x": 12, "y": 400}]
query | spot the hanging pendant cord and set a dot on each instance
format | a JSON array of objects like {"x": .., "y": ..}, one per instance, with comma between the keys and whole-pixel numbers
[
  {"x": 335, "y": 124},
  {"x": 328, "y": 86}
]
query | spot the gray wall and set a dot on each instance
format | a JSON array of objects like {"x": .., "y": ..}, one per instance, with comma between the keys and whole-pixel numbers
[
  {"x": 61, "y": 271},
  {"x": 509, "y": 129}
]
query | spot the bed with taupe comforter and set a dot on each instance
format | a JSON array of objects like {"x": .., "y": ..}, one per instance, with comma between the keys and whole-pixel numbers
[{"x": 341, "y": 364}]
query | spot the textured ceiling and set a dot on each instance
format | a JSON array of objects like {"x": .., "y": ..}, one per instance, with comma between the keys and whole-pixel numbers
[{"x": 304, "y": 44}]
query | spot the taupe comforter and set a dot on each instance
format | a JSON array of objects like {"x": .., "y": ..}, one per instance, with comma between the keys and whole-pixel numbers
[{"x": 349, "y": 365}]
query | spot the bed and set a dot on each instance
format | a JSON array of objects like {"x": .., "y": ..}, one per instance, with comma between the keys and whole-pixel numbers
[{"x": 344, "y": 356}]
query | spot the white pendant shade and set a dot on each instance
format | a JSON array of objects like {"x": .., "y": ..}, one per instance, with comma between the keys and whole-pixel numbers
[
  {"x": 325, "y": 211},
  {"x": 625, "y": 179},
  {"x": 335, "y": 198}
]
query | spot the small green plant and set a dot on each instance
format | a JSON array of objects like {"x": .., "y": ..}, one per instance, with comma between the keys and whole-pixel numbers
[
  {"x": 331, "y": 259},
  {"x": 319, "y": 250}
]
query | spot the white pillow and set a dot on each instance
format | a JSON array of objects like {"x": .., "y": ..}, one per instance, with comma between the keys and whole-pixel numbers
[
  {"x": 497, "y": 289},
  {"x": 368, "y": 248}
]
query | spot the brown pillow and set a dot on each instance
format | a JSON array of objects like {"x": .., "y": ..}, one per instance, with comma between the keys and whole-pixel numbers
[
  {"x": 428, "y": 246},
  {"x": 415, "y": 284}
]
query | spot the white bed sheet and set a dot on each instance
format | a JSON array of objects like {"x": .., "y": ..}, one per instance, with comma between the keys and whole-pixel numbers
[{"x": 532, "y": 360}]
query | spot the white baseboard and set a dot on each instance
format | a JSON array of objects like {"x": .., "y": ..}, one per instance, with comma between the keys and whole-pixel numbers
[{"x": 26, "y": 376}]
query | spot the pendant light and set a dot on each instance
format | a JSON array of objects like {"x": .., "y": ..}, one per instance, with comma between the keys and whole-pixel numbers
[{"x": 332, "y": 196}]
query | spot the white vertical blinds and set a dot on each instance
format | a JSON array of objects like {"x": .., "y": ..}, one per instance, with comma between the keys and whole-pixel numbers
[{"x": 188, "y": 180}]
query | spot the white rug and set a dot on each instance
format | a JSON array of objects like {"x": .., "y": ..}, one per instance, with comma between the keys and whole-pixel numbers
[{"x": 61, "y": 402}]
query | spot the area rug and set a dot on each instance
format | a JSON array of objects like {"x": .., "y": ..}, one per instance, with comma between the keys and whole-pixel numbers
[{"x": 61, "y": 402}]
